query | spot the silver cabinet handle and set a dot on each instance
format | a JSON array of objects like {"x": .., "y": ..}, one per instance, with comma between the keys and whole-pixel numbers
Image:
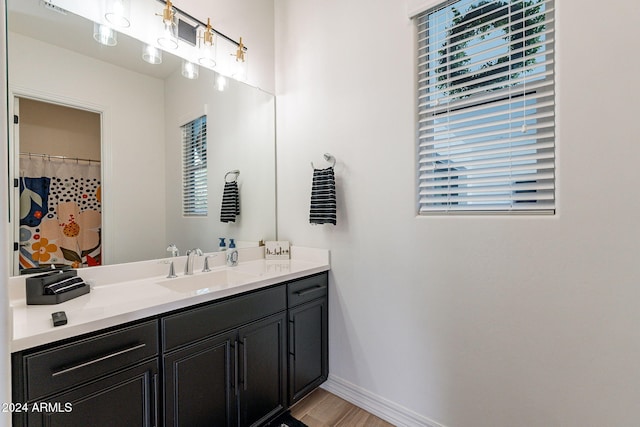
[
  {"x": 155, "y": 401},
  {"x": 243, "y": 343},
  {"x": 309, "y": 290},
  {"x": 99, "y": 359},
  {"x": 235, "y": 367},
  {"x": 292, "y": 335}
]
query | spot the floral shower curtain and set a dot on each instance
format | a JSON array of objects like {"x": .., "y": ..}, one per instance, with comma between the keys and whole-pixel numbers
[{"x": 60, "y": 212}]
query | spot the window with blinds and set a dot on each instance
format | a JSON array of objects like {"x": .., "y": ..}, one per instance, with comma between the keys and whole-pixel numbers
[
  {"x": 194, "y": 168},
  {"x": 486, "y": 107}
]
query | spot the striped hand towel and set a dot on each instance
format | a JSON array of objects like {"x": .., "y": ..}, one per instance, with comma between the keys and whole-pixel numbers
[
  {"x": 230, "y": 202},
  {"x": 323, "y": 197}
]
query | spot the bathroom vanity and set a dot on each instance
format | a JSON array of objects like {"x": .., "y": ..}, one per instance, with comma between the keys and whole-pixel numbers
[{"x": 235, "y": 354}]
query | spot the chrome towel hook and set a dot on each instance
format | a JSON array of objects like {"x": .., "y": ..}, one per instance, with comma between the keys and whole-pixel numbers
[
  {"x": 329, "y": 158},
  {"x": 235, "y": 172}
]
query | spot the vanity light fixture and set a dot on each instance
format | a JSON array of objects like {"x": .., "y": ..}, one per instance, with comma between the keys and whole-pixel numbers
[
  {"x": 207, "y": 46},
  {"x": 239, "y": 63},
  {"x": 240, "y": 53},
  {"x": 168, "y": 38},
  {"x": 117, "y": 13},
  {"x": 207, "y": 34},
  {"x": 104, "y": 34},
  {"x": 189, "y": 69},
  {"x": 178, "y": 25},
  {"x": 151, "y": 54}
]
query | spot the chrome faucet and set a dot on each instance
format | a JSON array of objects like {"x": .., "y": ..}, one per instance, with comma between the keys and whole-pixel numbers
[
  {"x": 174, "y": 250},
  {"x": 191, "y": 254},
  {"x": 206, "y": 268}
]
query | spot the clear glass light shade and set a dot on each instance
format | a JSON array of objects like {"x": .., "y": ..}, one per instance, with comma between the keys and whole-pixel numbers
[
  {"x": 190, "y": 70},
  {"x": 151, "y": 54},
  {"x": 207, "y": 47},
  {"x": 168, "y": 37},
  {"x": 117, "y": 13},
  {"x": 238, "y": 68},
  {"x": 207, "y": 56},
  {"x": 104, "y": 35}
]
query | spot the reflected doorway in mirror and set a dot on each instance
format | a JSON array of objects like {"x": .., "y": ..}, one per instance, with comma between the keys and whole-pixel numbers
[{"x": 59, "y": 193}]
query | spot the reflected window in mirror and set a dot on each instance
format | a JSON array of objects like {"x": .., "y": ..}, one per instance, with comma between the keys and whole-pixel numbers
[{"x": 194, "y": 161}]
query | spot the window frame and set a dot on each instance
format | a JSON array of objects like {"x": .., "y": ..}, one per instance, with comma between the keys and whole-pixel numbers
[{"x": 514, "y": 201}]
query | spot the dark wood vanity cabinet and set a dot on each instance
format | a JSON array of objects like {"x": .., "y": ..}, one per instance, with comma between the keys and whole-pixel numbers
[
  {"x": 198, "y": 381},
  {"x": 126, "y": 398},
  {"x": 308, "y": 335},
  {"x": 218, "y": 376},
  {"x": 103, "y": 380},
  {"x": 236, "y": 362},
  {"x": 262, "y": 371}
]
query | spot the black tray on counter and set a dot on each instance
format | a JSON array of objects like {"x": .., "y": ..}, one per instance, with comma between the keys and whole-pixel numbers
[{"x": 36, "y": 284}]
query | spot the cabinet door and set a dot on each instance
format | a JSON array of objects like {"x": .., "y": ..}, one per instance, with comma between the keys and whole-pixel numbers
[
  {"x": 262, "y": 359},
  {"x": 127, "y": 398},
  {"x": 308, "y": 349},
  {"x": 198, "y": 383}
]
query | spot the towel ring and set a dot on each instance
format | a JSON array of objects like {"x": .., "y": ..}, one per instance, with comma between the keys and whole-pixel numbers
[
  {"x": 235, "y": 172},
  {"x": 329, "y": 158}
]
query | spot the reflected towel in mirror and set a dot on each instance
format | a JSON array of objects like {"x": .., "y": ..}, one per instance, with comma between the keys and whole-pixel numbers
[{"x": 230, "y": 202}]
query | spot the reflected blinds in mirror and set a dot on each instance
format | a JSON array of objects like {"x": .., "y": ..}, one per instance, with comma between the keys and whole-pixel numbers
[{"x": 194, "y": 169}]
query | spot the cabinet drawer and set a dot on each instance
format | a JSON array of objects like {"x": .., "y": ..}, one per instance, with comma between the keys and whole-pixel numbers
[
  {"x": 69, "y": 365},
  {"x": 192, "y": 325},
  {"x": 307, "y": 289}
]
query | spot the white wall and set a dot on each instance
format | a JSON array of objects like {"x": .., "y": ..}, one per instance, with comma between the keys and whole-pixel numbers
[
  {"x": 468, "y": 321},
  {"x": 133, "y": 204}
]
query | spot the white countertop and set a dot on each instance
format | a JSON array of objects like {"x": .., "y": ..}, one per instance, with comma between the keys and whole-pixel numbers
[{"x": 119, "y": 295}]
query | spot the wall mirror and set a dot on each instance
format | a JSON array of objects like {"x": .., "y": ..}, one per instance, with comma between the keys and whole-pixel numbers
[{"x": 141, "y": 109}]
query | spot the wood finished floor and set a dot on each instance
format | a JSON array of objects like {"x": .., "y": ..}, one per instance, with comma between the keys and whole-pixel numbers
[{"x": 323, "y": 409}]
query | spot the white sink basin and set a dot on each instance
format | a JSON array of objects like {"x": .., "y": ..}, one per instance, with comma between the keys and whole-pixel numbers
[{"x": 207, "y": 282}]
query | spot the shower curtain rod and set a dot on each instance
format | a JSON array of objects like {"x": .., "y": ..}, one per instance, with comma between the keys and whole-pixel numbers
[{"x": 49, "y": 156}]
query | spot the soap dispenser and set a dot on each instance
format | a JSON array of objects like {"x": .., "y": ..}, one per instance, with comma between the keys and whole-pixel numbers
[
  {"x": 232, "y": 254},
  {"x": 222, "y": 246}
]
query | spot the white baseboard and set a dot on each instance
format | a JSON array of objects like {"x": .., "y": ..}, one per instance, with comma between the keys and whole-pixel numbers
[{"x": 377, "y": 405}]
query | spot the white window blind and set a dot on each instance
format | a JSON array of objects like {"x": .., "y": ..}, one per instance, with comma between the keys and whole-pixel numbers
[
  {"x": 486, "y": 107},
  {"x": 194, "y": 170}
]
